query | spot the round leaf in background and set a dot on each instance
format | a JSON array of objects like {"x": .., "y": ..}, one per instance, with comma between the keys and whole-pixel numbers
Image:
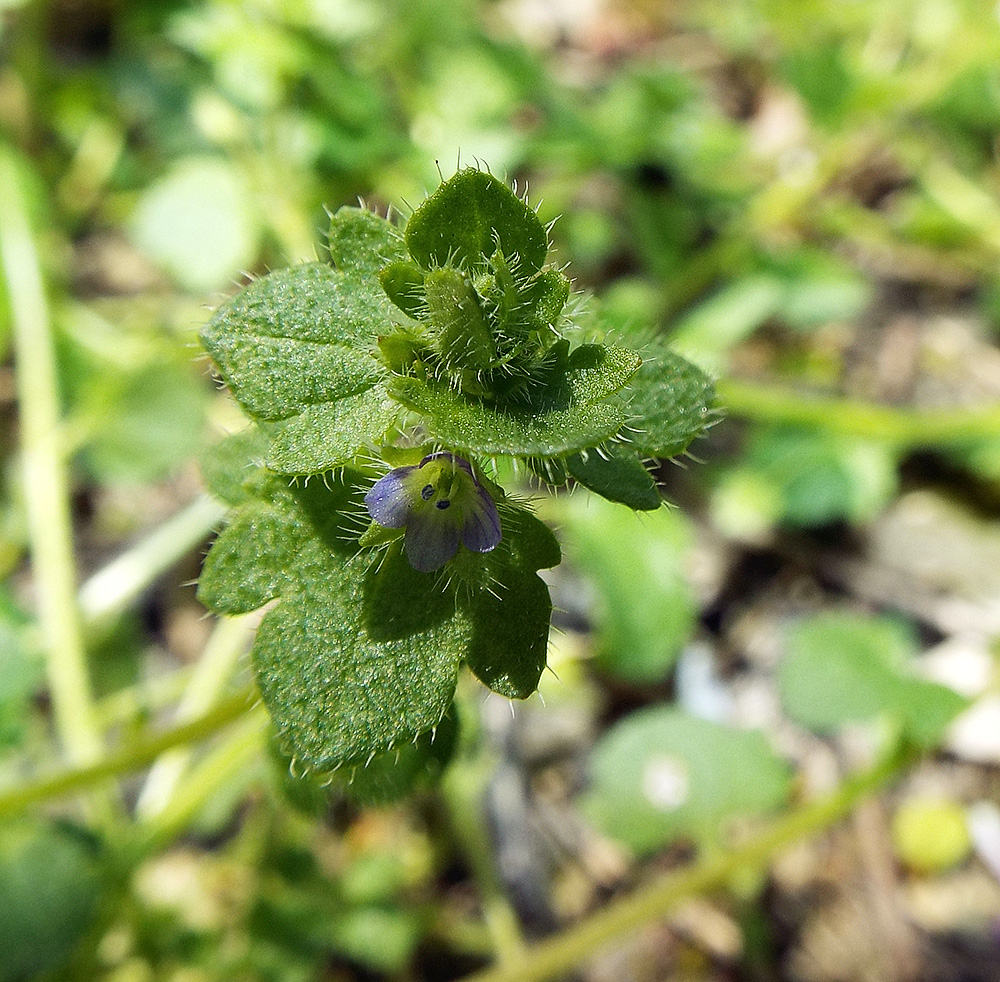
[
  {"x": 48, "y": 895},
  {"x": 660, "y": 774}
]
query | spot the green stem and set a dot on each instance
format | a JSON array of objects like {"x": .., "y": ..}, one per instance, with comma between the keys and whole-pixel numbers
[
  {"x": 110, "y": 591},
  {"x": 45, "y": 476},
  {"x": 207, "y": 683},
  {"x": 462, "y": 792},
  {"x": 568, "y": 949},
  {"x": 237, "y": 754},
  {"x": 138, "y": 755},
  {"x": 142, "y": 699},
  {"x": 905, "y": 428}
]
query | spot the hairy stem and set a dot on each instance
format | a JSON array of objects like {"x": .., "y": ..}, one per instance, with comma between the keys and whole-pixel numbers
[
  {"x": 45, "y": 476},
  {"x": 565, "y": 951}
]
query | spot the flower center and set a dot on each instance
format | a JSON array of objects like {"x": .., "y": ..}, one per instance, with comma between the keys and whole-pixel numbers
[{"x": 446, "y": 483}]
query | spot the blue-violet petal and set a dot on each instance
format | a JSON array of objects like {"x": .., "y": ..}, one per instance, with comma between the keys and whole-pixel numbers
[{"x": 390, "y": 501}]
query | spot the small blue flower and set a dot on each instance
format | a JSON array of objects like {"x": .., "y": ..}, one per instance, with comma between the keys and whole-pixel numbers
[{"x": 440, "y": 503}]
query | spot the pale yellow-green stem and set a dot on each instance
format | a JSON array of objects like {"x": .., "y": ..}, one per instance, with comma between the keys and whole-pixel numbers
[
  {"x": 900, "y": 427},
  {"x": 45, "y": 475},
  {"x": 140, "y": 752},
  {"x": 208, "y": 681}
]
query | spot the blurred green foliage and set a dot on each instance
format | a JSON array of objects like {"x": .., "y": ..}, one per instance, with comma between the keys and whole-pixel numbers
[
  {"x": 49, "y": 889},
  {"x": 842, "y": 668},
  {"x": 643, "y": 610}
]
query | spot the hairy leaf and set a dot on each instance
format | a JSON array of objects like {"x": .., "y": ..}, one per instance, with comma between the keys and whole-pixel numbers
[
  {"x": 389, "y": 776},
  {"x": 361, "y": 243},
  {"x": 467, "y": 217},
  {"x": 293, "y": 345},
  {"x": 330, "y": 435},
  {"x": 510, "y": 632},
  {"x": 404, "y": 286},
  {"x": 462, "y": 336},
  {"x": 669, "y": 402},
  {"x": 357, "y": 657},
  {"x": 480, "y": 429},
  {"x": 338, "y": 690},
  {"x": 595, "y": 371},
  {"x": 361, "y": 653},
  {"x": 616, "y": 473},
  {"x": 510, "y": 620},
  {"x": 296, "y": 338},
  {"x": 549, "y": 291},
  {"x": 226, "y": 465}
]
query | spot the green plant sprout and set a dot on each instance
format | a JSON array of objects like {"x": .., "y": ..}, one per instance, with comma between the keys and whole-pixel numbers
[{"x": 385, "y": 385}]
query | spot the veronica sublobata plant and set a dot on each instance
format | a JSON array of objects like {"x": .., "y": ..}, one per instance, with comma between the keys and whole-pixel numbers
[{"x": 385, "y": 385}]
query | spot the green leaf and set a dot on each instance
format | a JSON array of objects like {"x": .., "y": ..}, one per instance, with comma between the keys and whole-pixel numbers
[
  {"x": 596, "y": 371},
  {"x": 548, "y": 293},
  {"x": 49, "y": 890},
  {"x": 645, "y": 609},
  {"x": 371, "y": 781},
  {"x": 928, "y": 709},
  {"x": 510, "y": 620},
  {"x": 403, "y": 350},
  {"x": 341, "y": 683},
  {"x": 404, "y": 286},
  {"x": 659, "y": 774},
  {"x": 532, "y": 542},
  {"x": 510, "y": 633},
  {"x": 358, "y": 657},
  {"x": 380, "y": 938},
  {"x": 269, "y": 533},
  {"x": 482, "y": 430},
  {"x": 299, "y": 337},
  {"x": 226, "y": 465},
  {"x": 669, "y": 402},
  {"x": 330, "y": 435},
  {"x": 842, "y": 668},
  {"x": 821, "y": 476},
  {"x": 361, "y": 243},
  {"x": 823, "y": 76},
  {"x": 615, "y": 472},
  {"x": 392, "y": 775},
  {"x": 465, "y": 219}
]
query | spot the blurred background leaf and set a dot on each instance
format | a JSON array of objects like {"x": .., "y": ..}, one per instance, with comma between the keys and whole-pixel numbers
[{"x": 661, "y": 774}]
